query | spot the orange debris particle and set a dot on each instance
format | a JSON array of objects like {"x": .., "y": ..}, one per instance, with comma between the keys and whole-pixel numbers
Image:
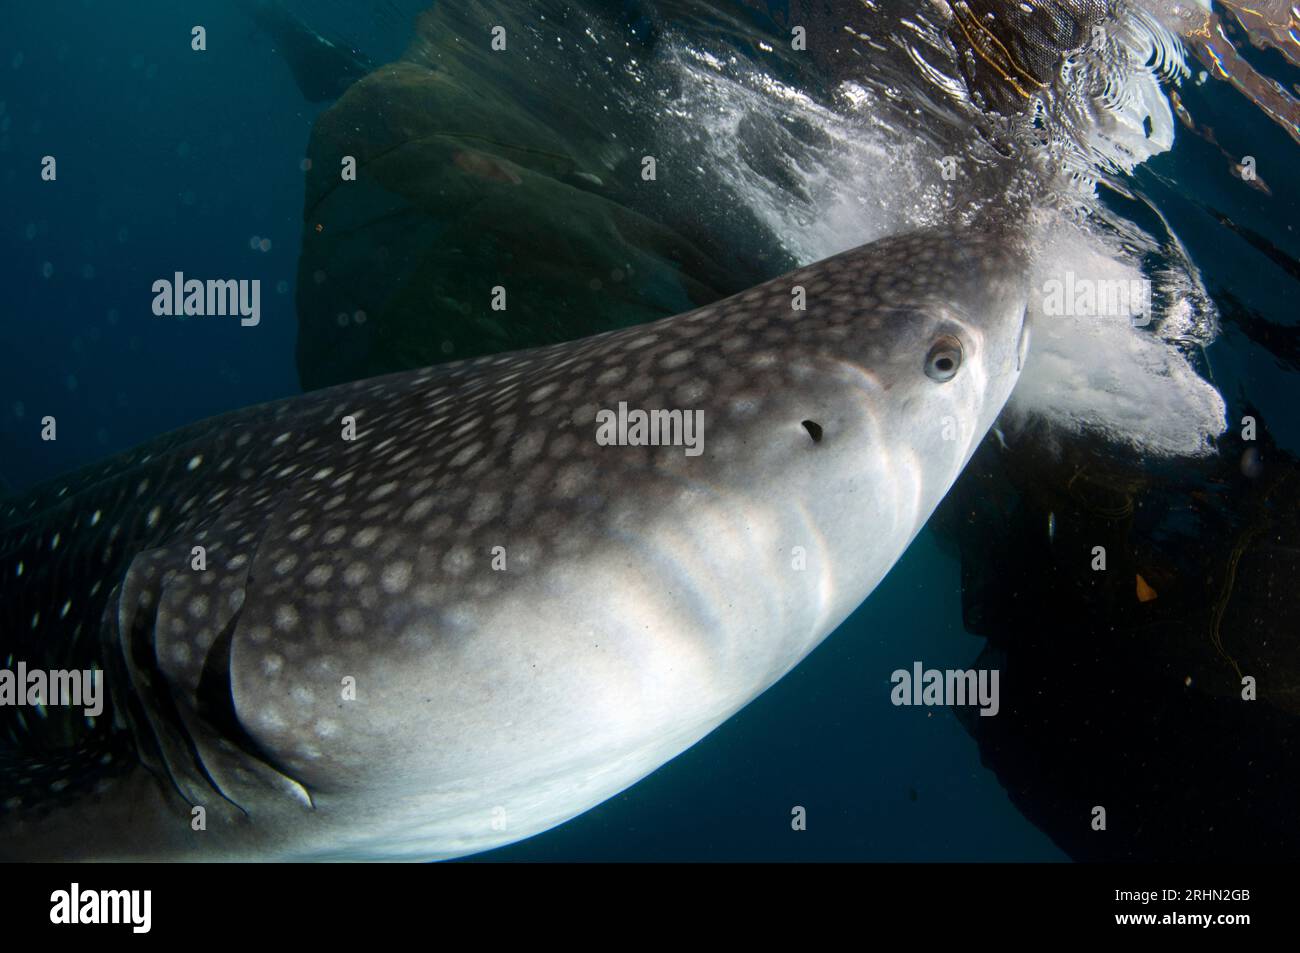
[{"x": 1144, "y": 592}]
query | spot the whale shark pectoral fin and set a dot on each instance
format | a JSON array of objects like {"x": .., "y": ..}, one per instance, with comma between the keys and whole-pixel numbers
[{"x": 174, "y": 625}]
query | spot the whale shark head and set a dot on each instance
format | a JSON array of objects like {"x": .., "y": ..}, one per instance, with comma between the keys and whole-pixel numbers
[
  {"x": 443, "y": 610},
  {"x": 939, "y": 333}
]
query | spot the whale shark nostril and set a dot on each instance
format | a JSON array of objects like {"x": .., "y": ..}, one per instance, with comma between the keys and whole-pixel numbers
[{"x": 814, "y": 430}]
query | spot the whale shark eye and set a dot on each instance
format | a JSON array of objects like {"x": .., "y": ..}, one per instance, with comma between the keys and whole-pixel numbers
[{"x": 943, "y": 360}]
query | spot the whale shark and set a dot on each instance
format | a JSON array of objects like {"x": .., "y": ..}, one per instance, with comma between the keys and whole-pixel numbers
[{"x": 423, "y": 615}]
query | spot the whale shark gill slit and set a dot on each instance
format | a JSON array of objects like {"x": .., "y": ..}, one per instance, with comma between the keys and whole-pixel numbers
[
  {"x": 183, "y": 711},
  {"x": 165, "y": 744},
  {"x": 216, "y": 704}
]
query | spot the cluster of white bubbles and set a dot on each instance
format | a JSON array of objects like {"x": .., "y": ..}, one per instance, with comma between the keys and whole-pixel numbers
[{"x": 865, "y": 175}]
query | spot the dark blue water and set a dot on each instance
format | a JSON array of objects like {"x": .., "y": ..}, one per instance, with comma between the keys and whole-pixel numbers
[{"x": 169, "y": 160}]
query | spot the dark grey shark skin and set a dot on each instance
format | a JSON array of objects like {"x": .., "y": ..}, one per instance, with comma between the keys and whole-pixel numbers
[
  {"x": 322, "y": 68},
  {"x": 646, "y": 594}
]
